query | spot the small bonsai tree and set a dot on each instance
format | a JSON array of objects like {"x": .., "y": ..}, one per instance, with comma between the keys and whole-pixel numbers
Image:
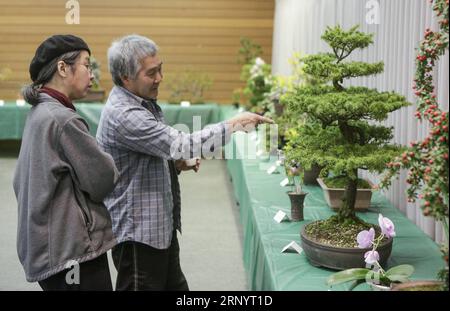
[
  {"x": 257, "y": 77},
  {"x": 340, "y": 134},
  {"x": 248, "y": 51},
  {"x": 427, "y": 160},
  {"x": 190, "y": 85},
  {"x": 96, "y": 72}
]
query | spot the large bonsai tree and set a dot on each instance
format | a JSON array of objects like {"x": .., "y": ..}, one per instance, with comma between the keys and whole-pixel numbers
[{"x": 341, "y": 134}]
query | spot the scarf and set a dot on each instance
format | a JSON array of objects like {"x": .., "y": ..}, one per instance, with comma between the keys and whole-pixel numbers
[{"x": 63, "y": 99}]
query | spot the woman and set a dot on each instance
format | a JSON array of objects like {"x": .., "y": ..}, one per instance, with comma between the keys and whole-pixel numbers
[{"x": 61, "y": 178}]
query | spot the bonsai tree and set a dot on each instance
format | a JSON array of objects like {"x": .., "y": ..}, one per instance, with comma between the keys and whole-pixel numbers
[
  {"x": 96, "y": 72},
  {"x": 427, "y": 160},
  {"x": 96, "y": 93},
  {"x": 340, "y": 134},
  {"x": 257, "y": 77},
  {"x": 190, "y": 85}
]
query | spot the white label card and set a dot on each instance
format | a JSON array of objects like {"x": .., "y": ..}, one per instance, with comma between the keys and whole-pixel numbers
[
  {"x": 292, "y": 247},
  {"x": 284, "y": 182},
  {"x": 259, "y": 153},
  {"x": 280, "y": 216},
  {"x": 20, "y": 102},
  {"x": 271, "y": 170},
  {"x": 2, "y": 102}
]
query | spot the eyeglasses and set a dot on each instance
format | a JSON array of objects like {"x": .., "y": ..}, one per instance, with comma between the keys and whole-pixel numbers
[{"x": 88, "y": 67}]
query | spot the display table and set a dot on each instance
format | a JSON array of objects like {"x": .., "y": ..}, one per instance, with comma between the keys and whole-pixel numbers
[
  {"x": 12, "y": 117},
  {"x": 260, "y": 196}
]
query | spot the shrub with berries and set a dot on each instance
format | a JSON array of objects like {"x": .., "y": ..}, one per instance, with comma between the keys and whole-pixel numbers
[{"x": 427, "y": 160}]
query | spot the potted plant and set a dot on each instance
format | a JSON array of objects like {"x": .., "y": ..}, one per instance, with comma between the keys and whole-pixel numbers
[
  {"x": 373, "y": 273},
  {"x": 292, "y": 138},
  {"x": 189, "y": 86},
  {"x": 334, "y": 191},
  {"x": 297, "y": 196},
  {"x": 427, "y": 160},
  {"x": 341, "y": 137},
  {"x": 96, "y": 93},
  {"x": 247, "y": 54}
]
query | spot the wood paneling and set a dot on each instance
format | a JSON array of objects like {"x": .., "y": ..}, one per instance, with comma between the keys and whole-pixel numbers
[{"x": 202, "y": 35}]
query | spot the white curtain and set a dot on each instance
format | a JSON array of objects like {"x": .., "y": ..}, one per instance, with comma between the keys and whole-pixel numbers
[{"x": 398, "y": 28}]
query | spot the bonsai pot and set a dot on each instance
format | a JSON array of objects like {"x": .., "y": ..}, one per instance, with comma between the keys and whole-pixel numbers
[
  {"x": 418, "y": 286},
  {"x": 334, "y": 196},
  {"x": 340, "y": 258},
  {"x": 297, "y": 200},
  {"x": 310, "y": 176}
]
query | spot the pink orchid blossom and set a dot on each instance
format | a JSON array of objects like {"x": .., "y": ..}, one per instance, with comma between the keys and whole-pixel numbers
[
  {"x": 387, "y": 226},
  {"x": 365, "y": 238},
  {"x": 371, "y": 257}
]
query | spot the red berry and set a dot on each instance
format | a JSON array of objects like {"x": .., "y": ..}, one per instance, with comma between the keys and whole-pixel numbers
[{"x": 427, "y": 203}]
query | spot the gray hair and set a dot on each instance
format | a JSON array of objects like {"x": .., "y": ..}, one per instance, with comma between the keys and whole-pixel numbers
[
  {"x": 30, "y": 92},
  {"x": 125, "y": 55}
]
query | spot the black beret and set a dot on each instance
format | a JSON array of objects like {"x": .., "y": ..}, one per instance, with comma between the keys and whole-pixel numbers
[{"x": 53, "y": 47}]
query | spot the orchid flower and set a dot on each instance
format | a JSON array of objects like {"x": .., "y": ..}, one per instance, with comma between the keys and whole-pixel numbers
[
  {"x": 387, "y": 226},
  {"x": 371, "y": 257},
  {"x": 365, "y": 238}
]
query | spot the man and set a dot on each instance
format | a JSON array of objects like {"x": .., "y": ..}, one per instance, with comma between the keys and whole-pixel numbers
[{"x": 145, "y": 204}]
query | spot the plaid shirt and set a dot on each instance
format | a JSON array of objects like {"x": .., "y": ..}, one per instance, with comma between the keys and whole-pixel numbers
[{"x": 145, "y": 204}]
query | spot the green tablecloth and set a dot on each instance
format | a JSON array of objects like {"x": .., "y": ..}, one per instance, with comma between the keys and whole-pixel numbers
[
  {"x": 260, "y": 196},
  {"x": 12, "y": 117}
]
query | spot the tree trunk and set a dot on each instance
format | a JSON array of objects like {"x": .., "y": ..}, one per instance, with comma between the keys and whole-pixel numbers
[{"x": 347, "y": 211}]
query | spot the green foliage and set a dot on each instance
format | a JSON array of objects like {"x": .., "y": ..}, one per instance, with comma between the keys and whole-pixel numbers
[
  {"x": 339, "y": 182},
  {"x": 326, "y": 67},
  {"x": 257, "y": 76},
  {"x": 427, "y": 161},
  {"x": 344, "y": 42},
  {"x": 340, "y": 134},
  {"x": 190, "y": 86},
  {"x": 397, "y": 274},
  {"x": 96, "y": 72},
  {"x": 327, "y": 105},
  {"x": 248, "y": 51}
]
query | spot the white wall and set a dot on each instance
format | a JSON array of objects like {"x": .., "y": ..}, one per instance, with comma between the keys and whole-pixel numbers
[{"x": 298, "y": 26}]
